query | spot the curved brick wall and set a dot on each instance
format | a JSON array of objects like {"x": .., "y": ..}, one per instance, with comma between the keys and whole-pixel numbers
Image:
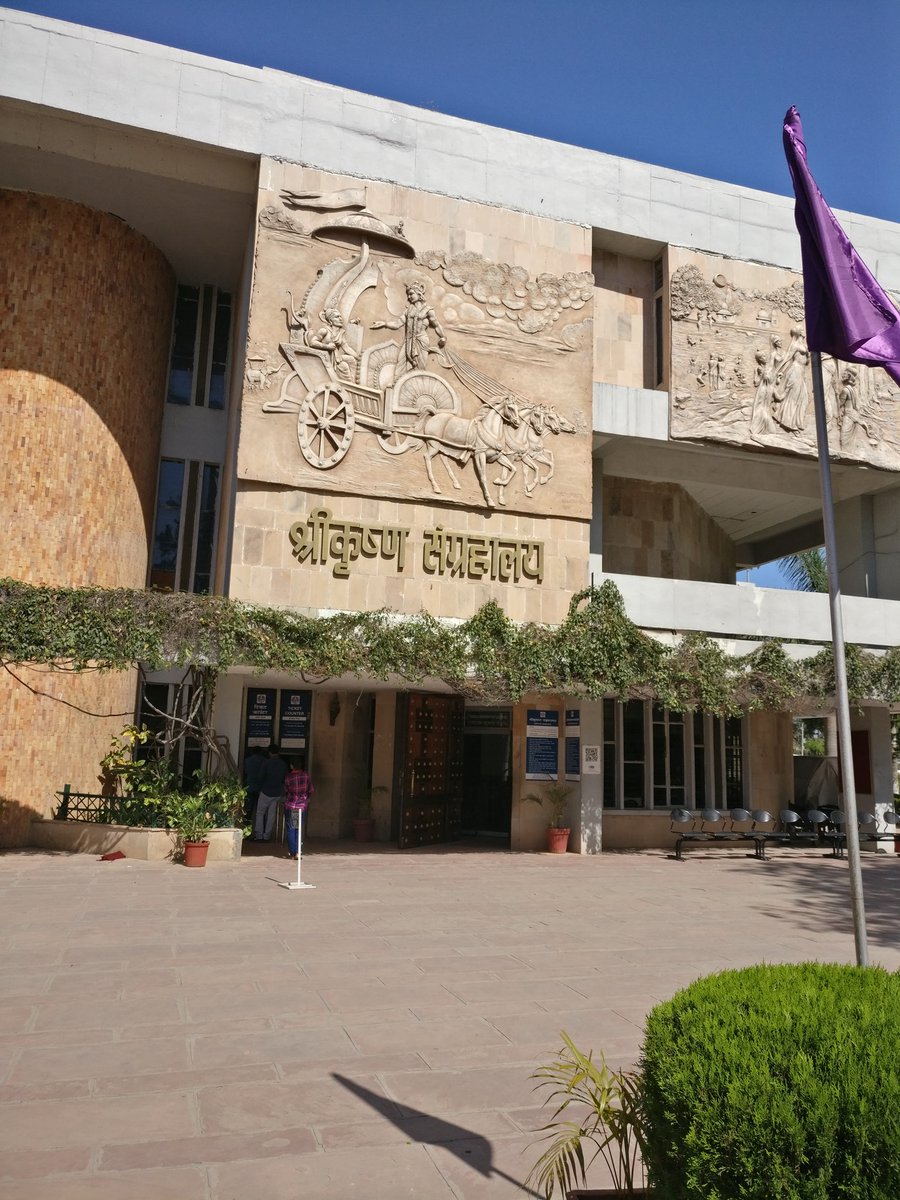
[{"x": 84, "y": 347}]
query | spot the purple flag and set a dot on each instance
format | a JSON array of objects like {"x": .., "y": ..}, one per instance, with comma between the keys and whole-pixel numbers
[{"x": 847, "y": 314}]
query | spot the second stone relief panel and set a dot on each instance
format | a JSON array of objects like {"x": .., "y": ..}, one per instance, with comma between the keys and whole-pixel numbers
[{"x": 740, "y": 367}]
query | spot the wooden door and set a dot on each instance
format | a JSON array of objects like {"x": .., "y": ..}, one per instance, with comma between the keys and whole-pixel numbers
[{"x": 429, "y": 767}]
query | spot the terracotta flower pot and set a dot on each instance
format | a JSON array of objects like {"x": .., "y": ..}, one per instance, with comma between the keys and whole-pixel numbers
[
  {"x": 557, "y": 840},
  {"x": 195, "y": 854},
  {"x": 364, "y": 829}
]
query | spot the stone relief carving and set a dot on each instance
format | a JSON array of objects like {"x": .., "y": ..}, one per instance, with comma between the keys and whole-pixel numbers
[
  {"x": 740, "y": 374},
  {"x": 326, "y": 201},
  {"x": 418, "y": 393},
  {"x": 273, "y": 217},
  {"x": 505, "y": 291},
  {"x": 259, "y": 371}
]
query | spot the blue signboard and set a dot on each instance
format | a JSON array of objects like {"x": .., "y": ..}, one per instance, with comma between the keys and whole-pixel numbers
[
  {"x": 293, "y": 726},
  {"x": 542, "y": 744},
  {"x": 260, "y": 716},
  {"x": 573, "y": 743}
]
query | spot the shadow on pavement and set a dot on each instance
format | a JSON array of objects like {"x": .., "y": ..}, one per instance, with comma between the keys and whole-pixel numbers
[{"x": 468, "y": 1146}]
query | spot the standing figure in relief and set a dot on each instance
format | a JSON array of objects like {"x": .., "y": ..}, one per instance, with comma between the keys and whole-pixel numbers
[
  {"x": 767, "y": 367},
  {"x": 849, "y": 405},
  {"x": 416, "y": 321},
  {"x": 792, "y": 394}
]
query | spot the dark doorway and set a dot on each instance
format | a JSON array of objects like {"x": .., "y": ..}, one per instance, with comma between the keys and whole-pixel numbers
[
  {"x": 487, "y": 773},
  {"x": 428, "y": 769}
]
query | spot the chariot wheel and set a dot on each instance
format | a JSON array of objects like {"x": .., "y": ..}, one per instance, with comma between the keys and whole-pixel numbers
[
  {"x": 408, "y": 398},
  {"x": 394, "y": 441},
  {"x": 325, "y": 426}
]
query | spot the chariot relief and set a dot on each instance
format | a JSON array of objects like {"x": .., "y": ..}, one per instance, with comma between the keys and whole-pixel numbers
[
  {"x": 448, "y": 366},
  {"x": 740, "y": 368}
]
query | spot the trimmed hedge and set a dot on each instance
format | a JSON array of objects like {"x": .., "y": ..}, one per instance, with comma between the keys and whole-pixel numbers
[{"x": 776, "y": 1083}]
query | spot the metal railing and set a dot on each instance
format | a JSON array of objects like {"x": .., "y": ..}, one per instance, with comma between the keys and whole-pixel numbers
[{"x": 108, "y": 810}]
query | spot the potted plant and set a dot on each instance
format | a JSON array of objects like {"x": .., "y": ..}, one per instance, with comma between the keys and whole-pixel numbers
[
  {"x": 137, "y": 770},
  {"x": 364, "y": 821},
  {"x": 555, "y": 795},
  {"x": 609, "y": 1116},
  {"x": 187, "y": 814},
  {"x": 224, "y": 796}
]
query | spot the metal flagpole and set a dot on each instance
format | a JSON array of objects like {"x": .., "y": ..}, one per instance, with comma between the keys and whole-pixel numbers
[{"x": 841, "y": 695}]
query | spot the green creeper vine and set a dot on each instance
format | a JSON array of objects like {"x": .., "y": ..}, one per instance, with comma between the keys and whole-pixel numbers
[{"x": 596, "y": 651}]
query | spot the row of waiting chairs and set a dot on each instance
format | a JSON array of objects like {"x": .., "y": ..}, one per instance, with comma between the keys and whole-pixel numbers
[{"x": 815, "y": 827}]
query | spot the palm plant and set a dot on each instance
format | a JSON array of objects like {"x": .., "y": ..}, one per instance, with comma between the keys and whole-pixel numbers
[
  {"x": 806, "y": 571},
  {"x": 608, "y": 1112},
  {"x": 556, "y": 795}
]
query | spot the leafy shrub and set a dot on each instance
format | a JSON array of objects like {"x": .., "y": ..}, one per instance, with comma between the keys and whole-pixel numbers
[{"x": 776, "y": 1083}]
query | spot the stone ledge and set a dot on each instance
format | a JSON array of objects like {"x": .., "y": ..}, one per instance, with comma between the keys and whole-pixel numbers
[{"x": 151, "y": 845}]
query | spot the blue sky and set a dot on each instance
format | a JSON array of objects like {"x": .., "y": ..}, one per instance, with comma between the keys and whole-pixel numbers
[{"x": 696, "y": 85}]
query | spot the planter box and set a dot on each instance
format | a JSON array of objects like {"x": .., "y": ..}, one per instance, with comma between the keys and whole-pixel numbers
[
  {"x": 607, "y": 1194},
  {"x": 150, "y": 845}
]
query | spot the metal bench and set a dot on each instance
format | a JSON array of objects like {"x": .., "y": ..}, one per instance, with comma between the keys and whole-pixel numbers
[
  {"x": 867, "y": 823},
  {"x": 710, "y": 826}
]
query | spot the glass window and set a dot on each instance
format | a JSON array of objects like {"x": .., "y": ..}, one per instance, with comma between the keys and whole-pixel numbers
[
  {"x": 633, "y": 753},
  {"x": 699, "y": 761},
  {"x": 206, "y": 527},
  {"x": 668, "y": 758},
  {"x": 184, "y": 339},
  {"x": 610, "y": 755},
  {"x": 734, "y": 763},
  {"x": 155, "y": 707},
  {"x": 219, "y": 360},
  {"x": 167, "y": 527}
]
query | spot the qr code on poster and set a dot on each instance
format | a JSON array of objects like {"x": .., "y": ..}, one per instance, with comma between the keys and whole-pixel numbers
[{"x": 591, "y": 755}]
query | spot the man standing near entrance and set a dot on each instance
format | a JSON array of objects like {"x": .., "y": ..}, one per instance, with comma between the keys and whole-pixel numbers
[
  {"x": 270, "y": 793},
  {"x": 255, "y": 763},
  {"x": 297, "y": 790}
]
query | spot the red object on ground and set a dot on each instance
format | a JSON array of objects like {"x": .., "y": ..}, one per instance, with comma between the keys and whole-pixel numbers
[{"x": 112, "y": 856}]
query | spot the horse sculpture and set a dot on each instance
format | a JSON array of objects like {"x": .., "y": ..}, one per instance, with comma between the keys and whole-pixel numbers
[
  {"x": 481, "y": 438},
  {"x": 525, "y": 444}
]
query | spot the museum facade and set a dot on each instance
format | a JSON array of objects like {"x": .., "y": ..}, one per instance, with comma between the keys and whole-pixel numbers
[{"x": 309, "y": 349}]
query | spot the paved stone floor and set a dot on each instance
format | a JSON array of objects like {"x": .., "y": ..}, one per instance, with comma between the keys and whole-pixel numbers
[{"x": 170, "y": 1034}]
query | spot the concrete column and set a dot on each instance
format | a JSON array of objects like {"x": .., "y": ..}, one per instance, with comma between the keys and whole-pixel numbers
[
  {"x": 383, "y": 762},
  {"x": 857, "y": 561},
  {"x": 590, "y": 831},
  {"x": 340, "y": 731},
  {"x": 881, "y": 752},
  {"x": 886, "y": 527},
  {"x": 596, "y": 537},
  {"x": 769, "y": 759}
]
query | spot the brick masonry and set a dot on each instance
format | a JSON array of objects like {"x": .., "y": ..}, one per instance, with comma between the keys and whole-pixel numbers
[{"x": 83, "y": 364}]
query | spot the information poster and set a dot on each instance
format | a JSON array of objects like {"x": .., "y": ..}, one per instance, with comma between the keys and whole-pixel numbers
[
  {"x": 542, "y": 744},
  {"x": 293, "y": 727},
  {"x": 573, "y": 743},
  {"x": 260, "y": 716}
]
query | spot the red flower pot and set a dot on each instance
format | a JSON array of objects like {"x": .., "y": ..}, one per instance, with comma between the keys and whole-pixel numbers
[
  {"x": 557, "y": 840},
  {"x": 364, "y": 829},
  {"x": 195, "y": 854}
]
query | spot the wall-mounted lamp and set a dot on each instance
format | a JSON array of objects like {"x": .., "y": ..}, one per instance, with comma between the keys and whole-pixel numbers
[{"x": 334, "y": 709}]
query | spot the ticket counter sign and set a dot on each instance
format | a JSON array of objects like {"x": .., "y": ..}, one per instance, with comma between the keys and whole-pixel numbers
[
  {"x": 293, "y": 726},
  {"x": 260, "y": 716},
  {"x": 573, "y": 743},
  {"x": 542, "y": 744}
]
